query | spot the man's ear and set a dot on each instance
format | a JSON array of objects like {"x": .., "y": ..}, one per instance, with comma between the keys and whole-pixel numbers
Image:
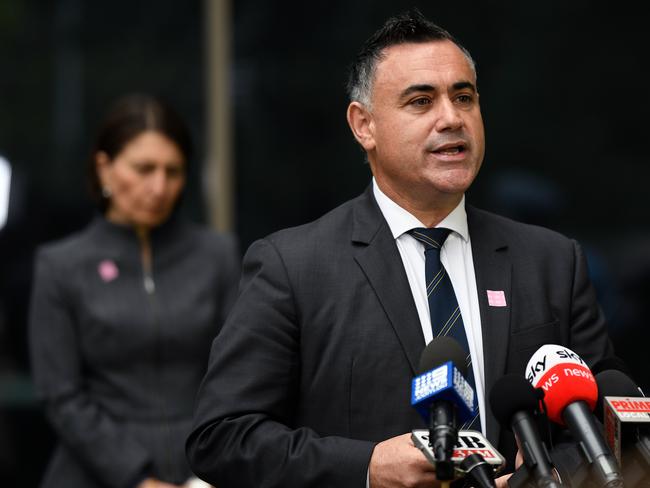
[{"x": 362, "y": 125}]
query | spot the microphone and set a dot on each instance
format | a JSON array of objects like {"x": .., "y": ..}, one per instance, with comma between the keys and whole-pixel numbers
[
  {"x": 615, "y": 383},
  {"x": 570, "y": 395},
  {"x": 469, "y": 443},
  {"x": 478, "y": 472},
  {"x": 514, "y": 402},
  {"x": 443, "y": 397},
  {"x": 626, "y": 416}
]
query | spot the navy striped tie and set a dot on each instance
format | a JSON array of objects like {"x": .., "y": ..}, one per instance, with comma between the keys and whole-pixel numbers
[{"x": 446, "y": 319}]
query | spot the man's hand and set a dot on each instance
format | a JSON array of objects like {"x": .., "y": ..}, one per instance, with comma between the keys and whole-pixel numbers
[
  {"x": 195, "y": 482},
  {"x": 154, "y": 483},
  {"x": 502, "y": 481},
  {"x": 397, "y": 463}
]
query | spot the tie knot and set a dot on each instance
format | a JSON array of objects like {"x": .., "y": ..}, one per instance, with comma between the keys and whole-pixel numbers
[{"x": 431, "y": 238}]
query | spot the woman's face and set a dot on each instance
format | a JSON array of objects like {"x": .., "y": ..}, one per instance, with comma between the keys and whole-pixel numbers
[{"x": 144, "y": 180}]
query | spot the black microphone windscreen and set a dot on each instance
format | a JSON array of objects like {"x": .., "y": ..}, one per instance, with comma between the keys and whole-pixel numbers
[
  {"x": 439, "y": 351},
  {"x": 616, "y": 383},
  {"x": 511, "y": 394},
  {"x": 613, "y": 382}
]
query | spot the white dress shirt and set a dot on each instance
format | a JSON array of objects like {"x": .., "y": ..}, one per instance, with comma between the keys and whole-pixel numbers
[{"x": 456, "y": 257}]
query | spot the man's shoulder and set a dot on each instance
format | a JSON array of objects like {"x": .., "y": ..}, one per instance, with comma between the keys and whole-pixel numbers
[
  {"x": 334, "y": 226},
  {"x": 512, "y": 230}
]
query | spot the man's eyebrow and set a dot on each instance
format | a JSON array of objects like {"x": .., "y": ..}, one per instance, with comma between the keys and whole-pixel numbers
[
  {"x": 461, "y": 85},
  {"x": 417, "y": 88},
  {"x": 426, "y": 88}
]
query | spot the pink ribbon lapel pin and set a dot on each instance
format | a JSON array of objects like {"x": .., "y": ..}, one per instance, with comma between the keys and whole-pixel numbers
[
  {"x": 107, "y": 270},
  {"x": 496, "y": 298}
]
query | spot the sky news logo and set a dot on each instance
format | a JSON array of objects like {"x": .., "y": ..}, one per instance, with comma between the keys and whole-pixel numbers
[{"x": 548, "y": 356}]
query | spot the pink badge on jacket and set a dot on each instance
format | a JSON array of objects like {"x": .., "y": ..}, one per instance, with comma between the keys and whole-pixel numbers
[
  {"x": 496, "y": 298},
  {"x": 108, "y": 270}
]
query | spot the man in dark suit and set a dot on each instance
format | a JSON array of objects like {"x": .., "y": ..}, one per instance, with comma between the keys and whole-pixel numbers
[{"x": 309, "y": 380}]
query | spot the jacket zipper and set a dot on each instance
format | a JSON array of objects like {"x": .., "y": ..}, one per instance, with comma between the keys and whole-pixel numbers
[{"x": 150, "y": 288}]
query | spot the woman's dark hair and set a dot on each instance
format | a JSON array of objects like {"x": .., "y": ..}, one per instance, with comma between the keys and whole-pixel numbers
[{"x": 127, "y": 118}]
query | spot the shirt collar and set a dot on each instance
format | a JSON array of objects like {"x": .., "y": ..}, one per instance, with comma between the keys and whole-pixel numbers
[{"x": 401, "y": 221}]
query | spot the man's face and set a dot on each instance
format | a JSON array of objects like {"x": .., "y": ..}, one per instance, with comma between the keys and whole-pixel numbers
[{"x": 427, "y": 139}]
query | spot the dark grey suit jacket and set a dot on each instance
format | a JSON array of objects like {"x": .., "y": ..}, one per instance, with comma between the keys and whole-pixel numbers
[
  {"x": 118, "y": 368},
  {"x": 314, "y": 364}
]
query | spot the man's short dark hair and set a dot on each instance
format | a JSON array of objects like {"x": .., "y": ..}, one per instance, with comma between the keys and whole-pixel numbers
[{"x": 410, "y": 26}]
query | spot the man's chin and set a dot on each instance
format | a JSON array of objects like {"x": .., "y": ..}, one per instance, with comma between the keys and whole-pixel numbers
[
  {"x": 453, "y": 183},
  {"x": 455, "y": 188}
]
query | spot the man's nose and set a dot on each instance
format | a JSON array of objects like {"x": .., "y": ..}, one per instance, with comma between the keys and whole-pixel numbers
[{"x": 449, "y": 117}]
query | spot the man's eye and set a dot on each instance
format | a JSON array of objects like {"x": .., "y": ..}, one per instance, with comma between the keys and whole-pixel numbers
[
  {"x": 421, "y": 102},
  {"x": 465, "y": 99}
]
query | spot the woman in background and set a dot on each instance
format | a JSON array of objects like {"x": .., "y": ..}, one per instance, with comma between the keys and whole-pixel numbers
[{"x": 123, "y": 313}]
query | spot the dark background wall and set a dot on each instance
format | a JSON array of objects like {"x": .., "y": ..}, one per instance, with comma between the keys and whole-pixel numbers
[{"x": 563, "y": 97}]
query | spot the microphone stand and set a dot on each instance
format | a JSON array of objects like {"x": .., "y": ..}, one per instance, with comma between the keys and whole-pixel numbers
[{"x": 443, "y": 435}]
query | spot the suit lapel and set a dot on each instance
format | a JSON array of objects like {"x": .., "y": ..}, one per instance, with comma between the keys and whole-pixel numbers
[
  {"x": 378, "y": 256},
  {"x": 493, "y": 272}
]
